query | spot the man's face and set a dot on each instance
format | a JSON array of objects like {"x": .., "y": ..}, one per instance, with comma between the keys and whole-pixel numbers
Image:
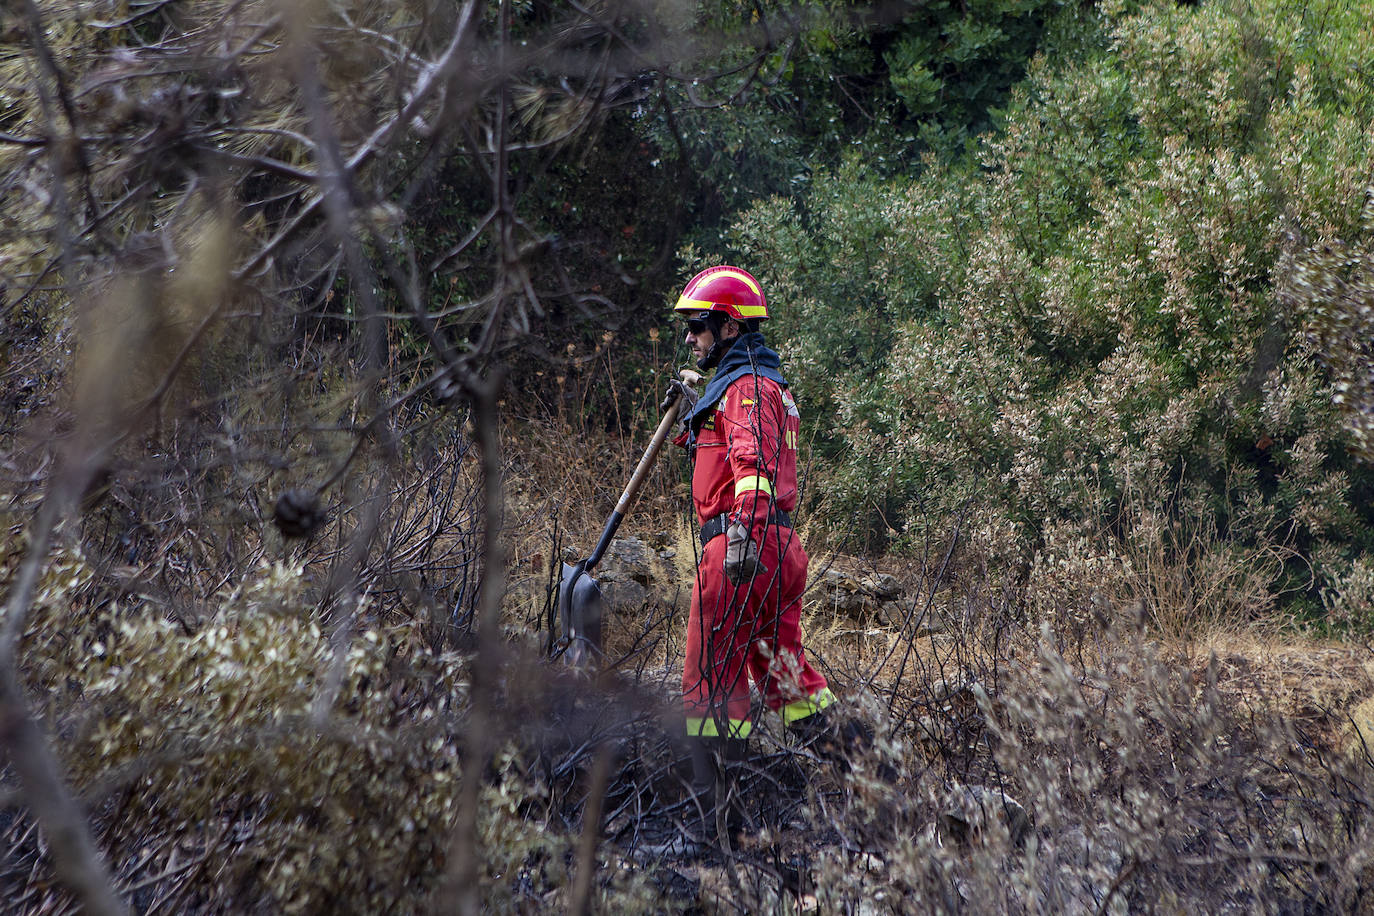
[{"x": 699, "y": 336}]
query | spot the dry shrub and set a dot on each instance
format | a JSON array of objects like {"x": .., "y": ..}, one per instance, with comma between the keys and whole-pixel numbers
[
  {"x": 1123, "y": 784},
  {"x": 1170, "y": 570},
  {"x": 1089, "y": 763},
  {"x": 1350, "y": 597},
  {"x": 274, "y": 752},
  {"x": 1190, "y": 581},
  {"x": 267, "y": 761},
  {"x": 564, "y": 476}
]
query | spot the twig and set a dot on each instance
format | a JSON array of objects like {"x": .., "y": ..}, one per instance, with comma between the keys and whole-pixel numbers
[
  {"x": 433, "y": 76},
  {"x": 460, "y": 886},
  {"x": 580, "y": 897}
]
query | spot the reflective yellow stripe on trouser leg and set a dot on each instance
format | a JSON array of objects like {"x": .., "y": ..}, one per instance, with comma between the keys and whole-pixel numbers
[
  {"x": 708, "y": 727},
  {"x": 807, "y": 707}
]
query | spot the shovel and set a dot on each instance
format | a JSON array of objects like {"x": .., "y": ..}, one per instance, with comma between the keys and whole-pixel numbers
[{"x": 579, "y": 596}]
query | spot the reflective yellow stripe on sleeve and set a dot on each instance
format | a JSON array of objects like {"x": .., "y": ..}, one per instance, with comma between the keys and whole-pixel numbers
[
  {"x": 807, "y": 707},
  {"x": 698, "y": 727},
  {"x": 745, "y": 484}
]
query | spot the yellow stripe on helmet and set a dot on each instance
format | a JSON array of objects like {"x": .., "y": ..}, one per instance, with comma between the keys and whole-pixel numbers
[
  {"x": 693, "y": 305},
  {"x": 706, "y": 305},
  {"x": 743, "y": 278}
]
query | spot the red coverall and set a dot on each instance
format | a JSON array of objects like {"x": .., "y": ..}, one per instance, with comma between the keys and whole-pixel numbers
[{"x": 745, "y": 464}]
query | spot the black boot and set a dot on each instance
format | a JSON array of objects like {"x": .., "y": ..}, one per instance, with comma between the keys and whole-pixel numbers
[
  {"x": 832, "y": 740},
  {"x": 735, "y": 760},
  {"x": 717, "y": 779},
  {"x": 702, "y": 826},
  {"x": 707, "y": 773}
]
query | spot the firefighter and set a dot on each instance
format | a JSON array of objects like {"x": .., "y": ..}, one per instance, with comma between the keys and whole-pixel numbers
[{"x": 745, "y": 618}]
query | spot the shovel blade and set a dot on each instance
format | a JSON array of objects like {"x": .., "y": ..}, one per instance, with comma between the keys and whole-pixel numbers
[{"x": 579, "y": 614}]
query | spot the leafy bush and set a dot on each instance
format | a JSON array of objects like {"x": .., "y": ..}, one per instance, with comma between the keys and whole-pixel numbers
[
  {"x": 834, "y": 80},
  {"x": 1106, "y": 300},
  {"x": 290, "y": 766}
]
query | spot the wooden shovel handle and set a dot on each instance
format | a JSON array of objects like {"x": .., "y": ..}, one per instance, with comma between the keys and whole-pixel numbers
[{"x": 646, "y": 461}]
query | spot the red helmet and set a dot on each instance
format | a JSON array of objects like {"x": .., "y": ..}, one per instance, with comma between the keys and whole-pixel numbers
[{"x": 724, "y": 289}]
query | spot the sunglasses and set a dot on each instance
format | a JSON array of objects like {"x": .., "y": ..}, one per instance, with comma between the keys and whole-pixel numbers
[{"x": 697, "y": 325}]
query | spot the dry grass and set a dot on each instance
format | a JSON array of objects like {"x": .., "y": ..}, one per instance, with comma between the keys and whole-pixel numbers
[{"x": 1318, "y": 686}]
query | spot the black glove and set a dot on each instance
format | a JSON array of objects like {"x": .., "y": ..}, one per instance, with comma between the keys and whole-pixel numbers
[
  {"x": 741, "y": 554},
  {"x": 679, "y": 391}
]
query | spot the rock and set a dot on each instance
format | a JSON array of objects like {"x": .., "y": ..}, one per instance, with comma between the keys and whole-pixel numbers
[
  {"x": 627, "y": 560},
  {"x": 841, "y": 592},
  {"x": 860, "y": 594},
  {"x": 881, "y": 586},
  {"x": 895, "y": 614},
  {"x": 971, "y": 809},
  {"x": 633, "y": 574},
  {"x": 623, "y": 596}
]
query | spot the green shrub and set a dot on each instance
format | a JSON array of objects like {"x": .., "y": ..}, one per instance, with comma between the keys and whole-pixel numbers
[{"x": 1106, "y": 301}]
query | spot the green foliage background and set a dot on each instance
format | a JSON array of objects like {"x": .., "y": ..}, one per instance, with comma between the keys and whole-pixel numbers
[{"x": 1103, "y": 311}]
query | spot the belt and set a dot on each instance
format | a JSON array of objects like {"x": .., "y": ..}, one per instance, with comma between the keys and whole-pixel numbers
[{"x": 716, "y": 525}]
